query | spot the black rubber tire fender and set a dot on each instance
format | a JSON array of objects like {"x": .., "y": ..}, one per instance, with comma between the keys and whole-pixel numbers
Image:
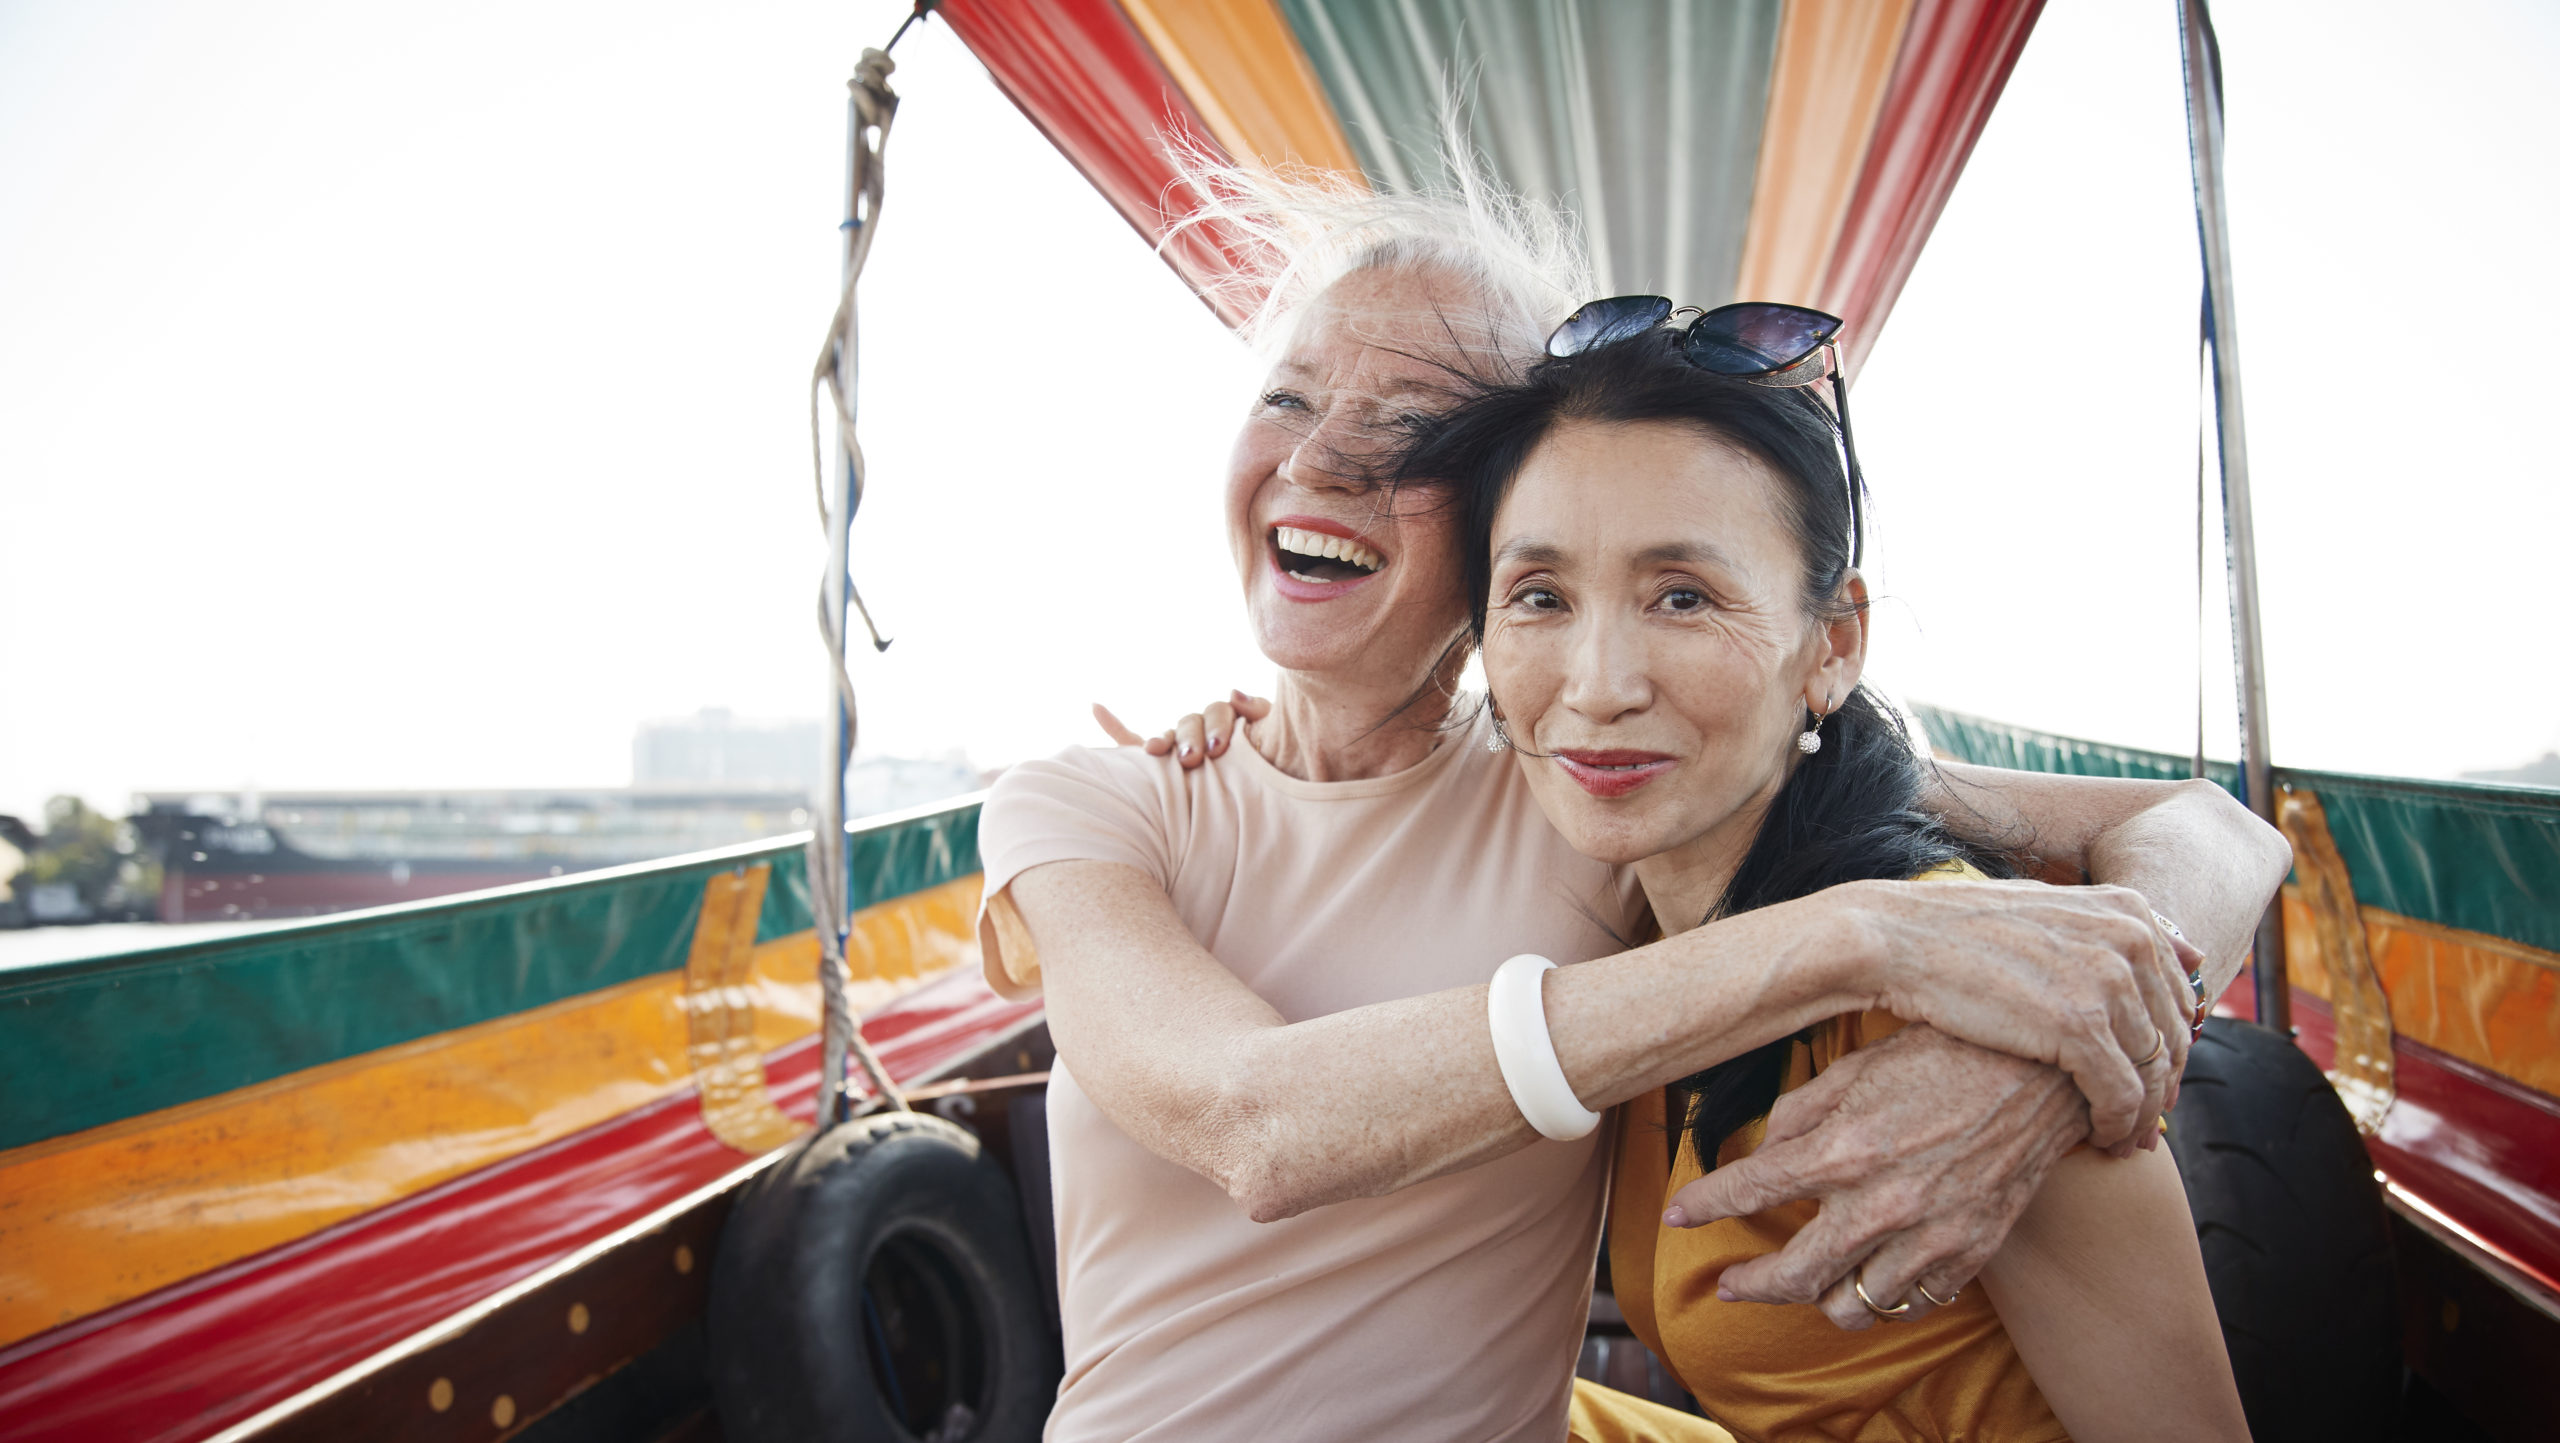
[
  {"x": 870, "y": 1282},
  {"x": 2297, "y": 1244}
]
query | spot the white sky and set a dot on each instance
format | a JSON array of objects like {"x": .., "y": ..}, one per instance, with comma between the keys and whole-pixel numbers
[{"x": 401, "y": 397}]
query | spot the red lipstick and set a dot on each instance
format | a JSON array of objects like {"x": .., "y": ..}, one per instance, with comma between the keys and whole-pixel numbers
[{"x": 1613, "y": 773}]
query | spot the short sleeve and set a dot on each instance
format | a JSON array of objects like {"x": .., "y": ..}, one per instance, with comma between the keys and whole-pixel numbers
[{"x": 1079, "y": 806}]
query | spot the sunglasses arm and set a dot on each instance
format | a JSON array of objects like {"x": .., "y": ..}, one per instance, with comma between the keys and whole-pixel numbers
[{"x": 1849, "y": 454}]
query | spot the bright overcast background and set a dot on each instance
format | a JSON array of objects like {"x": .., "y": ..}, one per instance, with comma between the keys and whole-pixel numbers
[{"x": 413, "y": 396}]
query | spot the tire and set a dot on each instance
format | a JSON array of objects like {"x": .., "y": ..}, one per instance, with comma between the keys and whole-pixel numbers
[
  {"x": 877, "y": 1286},
  {"x": 2297, "y": 1245}
]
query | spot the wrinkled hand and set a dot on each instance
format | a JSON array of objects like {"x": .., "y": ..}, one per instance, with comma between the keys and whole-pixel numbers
[
  {"x": 1922, "y": 1151},
  {"x": 1203, "y": 734},
  {"x": 2080, "y": 977}
]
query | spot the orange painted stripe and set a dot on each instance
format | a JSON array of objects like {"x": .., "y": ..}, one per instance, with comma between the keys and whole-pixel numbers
[
  {"x": 1834, "y": 62},
  {"x": 93, "y": 1218},
  {"x": 2484, "y": 999},
  {"x": 1240, "y": 65}
]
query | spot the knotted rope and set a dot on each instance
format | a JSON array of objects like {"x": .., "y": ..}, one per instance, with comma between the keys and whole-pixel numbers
[{"x": 837, "y": 373}]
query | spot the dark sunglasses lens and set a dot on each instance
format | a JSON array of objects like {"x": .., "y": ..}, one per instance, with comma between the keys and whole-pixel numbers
[
  {"x": 1602, "y": 322},
  {"x": 1753, "y": 337}
]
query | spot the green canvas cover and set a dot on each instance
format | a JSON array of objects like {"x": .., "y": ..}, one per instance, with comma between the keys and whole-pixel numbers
[
  {"x": 2473, "y": 855},
  {"x": 98, "y": 1039}
]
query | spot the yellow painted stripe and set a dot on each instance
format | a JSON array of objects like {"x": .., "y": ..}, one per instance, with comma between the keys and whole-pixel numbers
[
  {"x": 1834, "y": 60},
  {"x": 97, "y": 1217},
  {"x": 2489, "y": 1001},
  {"x": 1241, "y": 66},
  {"x": 720, "y": 1019},
  {"x": 2359, "y": 1005}
]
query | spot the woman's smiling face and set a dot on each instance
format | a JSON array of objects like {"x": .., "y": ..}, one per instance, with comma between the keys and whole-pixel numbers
[
  {"x": 1647, "y": 637},
  {"x": 1341, "y": 576}
]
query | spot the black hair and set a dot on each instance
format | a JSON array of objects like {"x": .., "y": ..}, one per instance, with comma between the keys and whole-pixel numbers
[{"x": 1849, "y": 812}]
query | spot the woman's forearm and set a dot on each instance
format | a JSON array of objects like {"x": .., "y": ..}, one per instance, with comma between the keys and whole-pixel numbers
[
  {"x": 2197, "y": 855},
  {"x": 1289, "y": 1116},
  {"x": 2205, "y": 861}
]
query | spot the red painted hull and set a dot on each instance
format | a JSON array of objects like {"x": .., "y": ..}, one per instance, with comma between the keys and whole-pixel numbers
[
  {"x": 2480, "y": 1150},
  {"x": 192, "y": 1359}
]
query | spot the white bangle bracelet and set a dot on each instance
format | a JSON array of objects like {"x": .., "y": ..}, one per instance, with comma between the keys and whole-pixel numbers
[{"x": 1516, "y": 1006}]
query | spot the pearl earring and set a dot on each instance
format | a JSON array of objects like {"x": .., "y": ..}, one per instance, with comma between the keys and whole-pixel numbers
[{"x": 1809, "y": 740}]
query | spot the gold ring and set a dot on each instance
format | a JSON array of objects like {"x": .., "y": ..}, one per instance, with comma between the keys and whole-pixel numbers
[
  {"x": 1858, "y": 1284},
  {"x": 1934, "y": 1300},
  {"x": 2159, "y": 1044}
]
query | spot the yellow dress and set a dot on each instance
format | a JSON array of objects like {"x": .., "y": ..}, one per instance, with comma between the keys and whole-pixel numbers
[{"x": 1776, "y": 1374}]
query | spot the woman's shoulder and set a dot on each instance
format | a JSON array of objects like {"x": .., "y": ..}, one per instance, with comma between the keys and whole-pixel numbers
[
  {"x": 1120, "y": 769},
  {"x": 1092, "y": 803}
]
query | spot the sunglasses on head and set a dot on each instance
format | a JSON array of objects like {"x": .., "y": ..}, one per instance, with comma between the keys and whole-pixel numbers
[{"x": 1761, "y": 342}]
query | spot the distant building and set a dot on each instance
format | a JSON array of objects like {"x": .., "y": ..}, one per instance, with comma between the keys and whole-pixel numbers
[
  {"x": 890, "y": 784},
  {"x": 706, "y": 781},
  {"x": 296, "y": 854},
  {"x": 714, "y": 748},
  {"x": 15, "y": 842},
  {"x": 2542, "y": 773}
]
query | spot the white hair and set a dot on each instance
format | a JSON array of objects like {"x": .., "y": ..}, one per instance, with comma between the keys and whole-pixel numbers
[{"x": 1299, "y": 230}]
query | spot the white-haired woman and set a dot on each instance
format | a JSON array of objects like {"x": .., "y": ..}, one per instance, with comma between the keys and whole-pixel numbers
[{"x": 1296, "y": 1197}]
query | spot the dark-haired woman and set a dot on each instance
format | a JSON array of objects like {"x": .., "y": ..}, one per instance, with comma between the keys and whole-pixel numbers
[
  {"x": 1294, "y": 1198},
  {"x": 1673, "y": 634}
]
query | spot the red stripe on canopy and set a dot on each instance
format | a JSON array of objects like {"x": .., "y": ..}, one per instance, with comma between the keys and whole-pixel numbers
[
  {"x": 1955, "y": 60},
  {"x": 1082, "y": 74}
]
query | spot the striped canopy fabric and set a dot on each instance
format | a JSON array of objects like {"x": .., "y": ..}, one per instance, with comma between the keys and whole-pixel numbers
[{"x": 1714, "y": 150}]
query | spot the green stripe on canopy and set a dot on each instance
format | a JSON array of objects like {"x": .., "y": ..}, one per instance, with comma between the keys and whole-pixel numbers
[{"x": 1660, "y": 171}]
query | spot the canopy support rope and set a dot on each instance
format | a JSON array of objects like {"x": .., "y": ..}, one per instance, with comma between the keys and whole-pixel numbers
[{"x": 872, "y": 107}]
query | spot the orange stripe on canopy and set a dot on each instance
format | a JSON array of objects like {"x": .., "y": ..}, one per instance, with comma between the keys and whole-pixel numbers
[
  {"x": 1835, "y": 59},
  {"x": 1759, "y": 122},
  {"x": 1079, "y": 70},
  {"x": 1956, "y": 57},
  {"x": 1239, "y": 64}
]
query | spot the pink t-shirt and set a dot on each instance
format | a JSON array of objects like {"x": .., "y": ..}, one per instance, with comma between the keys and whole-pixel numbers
[{"x": 1450, "y": 1310}]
